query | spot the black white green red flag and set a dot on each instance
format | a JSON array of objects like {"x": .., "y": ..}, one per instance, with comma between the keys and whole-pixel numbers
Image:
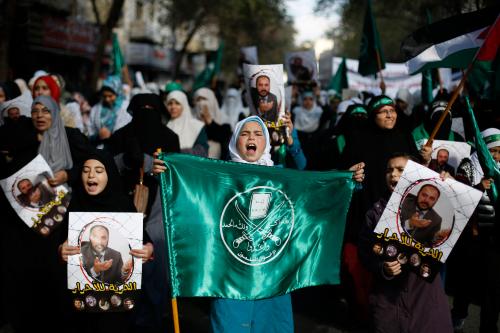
[{"x": 454, "y": 42}]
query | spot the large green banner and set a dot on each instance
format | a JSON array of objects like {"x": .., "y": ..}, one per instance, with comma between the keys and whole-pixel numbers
[{"x": 244, "y": 231}]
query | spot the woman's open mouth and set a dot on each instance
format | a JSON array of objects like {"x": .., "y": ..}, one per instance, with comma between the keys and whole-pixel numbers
[{"x": 92, "y": 186}]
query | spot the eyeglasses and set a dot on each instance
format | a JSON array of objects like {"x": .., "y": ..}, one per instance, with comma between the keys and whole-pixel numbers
[
  {"x": 43, "y": 111},
  {"x": 388, "y": 112}
]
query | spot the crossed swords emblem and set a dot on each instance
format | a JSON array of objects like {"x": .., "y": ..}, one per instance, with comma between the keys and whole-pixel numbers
[{"x": 253, "y": 228}]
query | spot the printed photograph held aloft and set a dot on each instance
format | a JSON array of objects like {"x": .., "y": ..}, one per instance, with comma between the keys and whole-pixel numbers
[
  {"x": 423, "y": 220},
  {"x": 41, "y": 206},
  {"x": 266, "y": 91},
  {"x": 301, "y": 67},
  {"x": 104, "y": 273}
]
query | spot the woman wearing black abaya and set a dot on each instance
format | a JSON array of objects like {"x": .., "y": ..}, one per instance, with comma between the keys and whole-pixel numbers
[
  {"x": 333, "y": 140},
  {"x": 29, "y": 259},
  {"x": 374, "y": 144},
  {"x": 105, "y": 195},
  {"x": 378, "y": 140},
  {"x": 134, "y": 146}
]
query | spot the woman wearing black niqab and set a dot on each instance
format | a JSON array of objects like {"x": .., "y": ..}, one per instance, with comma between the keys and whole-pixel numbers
[{"x": 133, "y": 145}]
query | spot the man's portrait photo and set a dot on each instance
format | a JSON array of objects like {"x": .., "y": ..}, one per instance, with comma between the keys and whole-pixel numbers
[
  {"x": 440, "y": 163},
  {"x": 299, "y": 71},
  {"x": 301, "y": 67},
  {"x": 34, "y": 195},
  {"x": 100, "y": 260},
  {"x": 78, "y": 304},
  {"x": 426, "y": 215},
  {"x": 425, "y": 270},
  {"x": 447, "y": 155},
  {"x": 265, "y": 102},
  {"x": 378, "y": 249},
  {"x": 415, "y": 260},
  {"x": 116, "y": 301},
  {"x": 266, "y": 91}
]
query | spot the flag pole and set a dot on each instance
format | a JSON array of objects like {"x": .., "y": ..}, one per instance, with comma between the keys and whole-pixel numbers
[
  {"x": 448, "y": 107},
  {"x": 379, "y": 64},
  {"x": 175, "y": 315},
  {"x": 460, "y": 87},
  {"x": 175, "y": 310}
]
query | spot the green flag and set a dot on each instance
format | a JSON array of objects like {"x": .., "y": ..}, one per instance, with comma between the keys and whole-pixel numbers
[
  {"x": 212, "y": 69},
  {"x": 245, "y": 231},
  {"x": 370, "y": 52},
  {"x": 428, "y": 85},
  {"x": 339, "y": 80},
  {"x": 116, "y": 57},
  {"x": 487, "y": 162}
]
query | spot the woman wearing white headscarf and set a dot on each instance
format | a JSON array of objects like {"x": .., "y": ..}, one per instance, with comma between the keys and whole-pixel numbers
[
  {"x": 250, "y": 143},
  {"x": 232, "y": 109},
  {"x": 308, "y": 121},
  {"x": 191, "y": 132},
  {"x": 207, "y": 110}
]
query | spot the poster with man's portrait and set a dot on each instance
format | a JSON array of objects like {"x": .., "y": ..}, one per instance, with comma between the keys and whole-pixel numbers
[
  {"x": 267, "y": 91},
  {"x": 423, "y": 219},
  {"x": 449, "y": 153},
  {"x": 104, "y": 276},
  {"x": 39, "y": 205},
  {"x": 301, "y": 67}
]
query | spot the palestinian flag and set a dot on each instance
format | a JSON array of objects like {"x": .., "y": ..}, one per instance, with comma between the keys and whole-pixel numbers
[{"x": 454, "y": 42}]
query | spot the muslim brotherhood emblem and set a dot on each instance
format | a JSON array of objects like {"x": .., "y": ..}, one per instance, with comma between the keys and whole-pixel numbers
[{"x": 255, "y": 225}]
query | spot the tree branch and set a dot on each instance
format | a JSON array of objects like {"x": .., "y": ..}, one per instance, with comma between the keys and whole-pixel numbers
[{"x": 96, "y": 13}]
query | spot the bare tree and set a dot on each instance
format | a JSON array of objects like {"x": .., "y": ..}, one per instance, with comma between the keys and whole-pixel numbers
[{"x": 105, "y": 31}]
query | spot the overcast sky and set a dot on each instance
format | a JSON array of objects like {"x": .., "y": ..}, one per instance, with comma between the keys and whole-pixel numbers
[{"x": 308, "y": 26}]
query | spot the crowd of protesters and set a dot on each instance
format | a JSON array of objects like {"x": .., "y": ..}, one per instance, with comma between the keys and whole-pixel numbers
[{"x": 370, "y": 133}]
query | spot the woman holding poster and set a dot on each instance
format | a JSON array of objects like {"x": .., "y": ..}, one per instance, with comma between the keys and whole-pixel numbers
[
  {"x": 100, "y": 190},
  {"x": 34, "y": 260}
]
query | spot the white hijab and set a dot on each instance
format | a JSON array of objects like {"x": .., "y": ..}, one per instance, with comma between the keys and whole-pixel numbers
[
  {"x": 232, "y": 108},
  {"x": 185, "y": 126},
  {"x": 213, "y": 105},
  {"x": 307, "y": 120},
  {"x": 265, "y": 159},
  {"x": 492, "y": 134}
]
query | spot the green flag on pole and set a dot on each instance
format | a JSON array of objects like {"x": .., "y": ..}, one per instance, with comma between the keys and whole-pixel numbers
[
  {"x": 486, "y": 161},
  {"x": 371, "y": 57},
  {"x": 245, "y": 231},
  {"x": 339, "y": 80},
  {"x": 211, "y": 71},
  {"x": 116, "y": 57}
]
